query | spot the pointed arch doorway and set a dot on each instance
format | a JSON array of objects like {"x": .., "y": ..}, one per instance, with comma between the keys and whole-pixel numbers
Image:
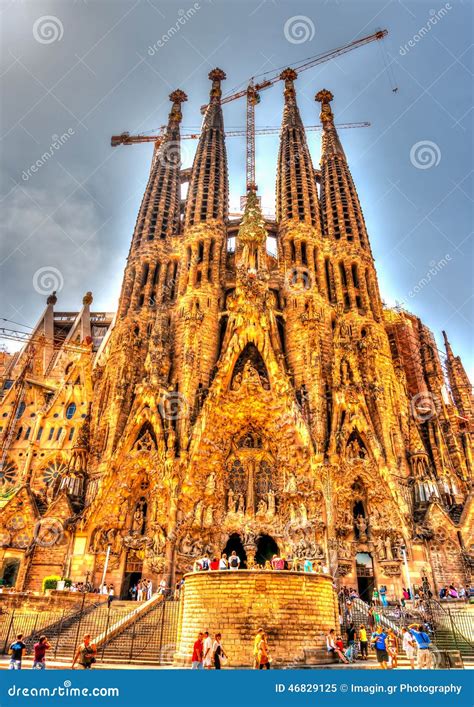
[
  {"x": 266, "y": 548},
  {"x": 235, "y": 543}
]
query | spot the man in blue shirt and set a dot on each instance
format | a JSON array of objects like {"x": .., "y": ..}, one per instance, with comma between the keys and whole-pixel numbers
[
  {"x": 379, "y": 641},
  {"x": 423, "y": 643}
]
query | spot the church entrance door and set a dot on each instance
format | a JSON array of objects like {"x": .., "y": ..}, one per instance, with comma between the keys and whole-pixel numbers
[
  {"x": 365, "y": 576},
  {"x": 235, "y": 543},
  {"x": 266, "y": 548}
]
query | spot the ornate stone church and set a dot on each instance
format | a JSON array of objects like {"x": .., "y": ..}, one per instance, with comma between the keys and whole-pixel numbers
[{"x": 251, "y": 393}]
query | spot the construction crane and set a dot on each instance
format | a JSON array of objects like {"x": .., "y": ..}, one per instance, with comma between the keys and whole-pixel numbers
[
  {"x": 252, "y": 93},
  {"x": 127, "y": 139}
]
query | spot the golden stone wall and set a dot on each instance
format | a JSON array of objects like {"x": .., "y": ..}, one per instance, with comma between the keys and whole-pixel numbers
[{"x": 296, "y": 610}]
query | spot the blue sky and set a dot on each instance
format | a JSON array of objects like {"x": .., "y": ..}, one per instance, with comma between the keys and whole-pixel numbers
[{"x": 89, "y": 70}]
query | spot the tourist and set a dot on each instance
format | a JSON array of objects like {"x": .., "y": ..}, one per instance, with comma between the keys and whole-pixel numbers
[
  {"x": 40, "y": 648},
  {"x": 423, "y": 643},
  {"x": 308, "y": 565},
  {"x": 375, "y": 596},
  {"x": 256, "y": 641},
  {"x": 17, "y": 651},
  {"x": 140, "y": 591},
  {"x": 204, "y": 563},
  {"x": 218, "y": 653},
  {"x": 196, "y": 660},
  {"x": 392, "y": 649},
  {"x": 275, "y": 561},
  {"x": 85, "y": 654},
  {"x": 379, "y": 641},
  {"x": 263, "y": 656},
  {"x": 383, "y": 595},
  {"x": 406, "y": 594},
  {"x": 462, "y": 593},
  {"x": 443, "y": 594},
  {"x": 163, "y": 587},
  {"x": 234, "y": 561},
  {"x": 110, "y": 598},
  {"x": 207, "y": 651},
  {"x": 332, "y": 648},
  {"x": 340, "y": 644},
  {"x": 363, "y": 642},
  {"x": 223, "y": 562},
  {"x": 149, "y": 589},
  {"x": 133, "y": 592},
  {"x": 104, "y": 589},
  {"x": 351, "y": 634},
  {"x": 452, "y": 592},
  {"x": 409, "y": 646},
  {"x": 214, "y": 564}
]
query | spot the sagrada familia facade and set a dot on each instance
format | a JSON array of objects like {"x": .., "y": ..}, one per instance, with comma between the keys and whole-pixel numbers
[{"x": 238, "y": 399}]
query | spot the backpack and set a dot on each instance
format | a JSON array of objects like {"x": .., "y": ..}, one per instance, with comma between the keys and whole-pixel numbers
[{"x": 234, "y": 561}]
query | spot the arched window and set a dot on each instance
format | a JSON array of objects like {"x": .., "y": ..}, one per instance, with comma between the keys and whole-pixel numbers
[
  {"x": 8, "y": 474},
  {"x": 263, "y": 480},
  {"x": 237, "y": 477},
  {"x": 70, "y": 411}
]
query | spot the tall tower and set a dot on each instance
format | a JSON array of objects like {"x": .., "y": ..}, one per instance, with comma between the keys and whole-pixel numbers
[
  {"x": 203, "y": 249},
  {"x": 149, "y": 284},
  {"x": 304, "y": 294},
  {"x": 352, "y": 288}
]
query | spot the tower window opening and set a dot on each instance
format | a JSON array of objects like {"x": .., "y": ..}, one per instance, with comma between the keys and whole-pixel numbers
[
  {"x": 304, "y": 254},
  {"x": 293, "y": 251},
  {"x": 51, "y": 433},
  {"x": 200, "y": 257}
]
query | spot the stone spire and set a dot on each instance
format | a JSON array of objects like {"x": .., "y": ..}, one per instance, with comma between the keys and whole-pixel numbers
[
  {"x": 341, "y": 211},
  {"x": 296, "y": 192},
  {"x": 459, "y": 382},
  {"x": 208, "y": 188},
  {"x": 159, "y": 211},
  {"x": 74, "y": 480}
]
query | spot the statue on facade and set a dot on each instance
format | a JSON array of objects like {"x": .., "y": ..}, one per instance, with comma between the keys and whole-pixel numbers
[
  {"x": 361, "y": 525},
  {"x": 271, "y": 503},
  {"x": 388, "y": 548},
  {"x": 231, "y": 503}
]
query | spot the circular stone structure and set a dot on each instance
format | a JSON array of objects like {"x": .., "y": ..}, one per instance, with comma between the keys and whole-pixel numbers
[{"x": 295, "y": 609}]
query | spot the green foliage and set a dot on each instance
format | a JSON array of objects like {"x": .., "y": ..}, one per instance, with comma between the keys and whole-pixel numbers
[{"x": 51, "y": 582}]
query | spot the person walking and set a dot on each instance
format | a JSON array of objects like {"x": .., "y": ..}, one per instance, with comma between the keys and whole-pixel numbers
[
  {"x": 234, "y": 561},
  {"x": 408, "y": 646},
  {"x": 371, "y": 619},
  {"x": 207, "y": 651},
  {"x": 196, "y": 660},
  {"x": 17, "y": 651},
  {"x": 379, "y": 641},
  {"x": 364, "y": 644},
  {"x": 351, "y": 634},
  {"x": 392, "y": 649},
  {"x": 40, "y": 648},
  {"x": 86, "y": 653},
  {"x": 111, "y": 595},
  {"x": 263, "y": 656},
  {"x": 218, "y": 653},
  {"x": 423, "y": 643},
  {"x": 256, "y": 641},
  {"x": 149, "y": 589}
]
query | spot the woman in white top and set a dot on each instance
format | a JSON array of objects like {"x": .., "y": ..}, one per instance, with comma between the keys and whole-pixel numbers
[
  {"x": 409, "y": 647},
  {"x": 223, "y": 562}
]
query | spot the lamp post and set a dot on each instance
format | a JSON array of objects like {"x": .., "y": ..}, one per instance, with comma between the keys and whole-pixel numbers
[
  {"x": 106, "y": 563},
  {"x": 407, "y": 570}
]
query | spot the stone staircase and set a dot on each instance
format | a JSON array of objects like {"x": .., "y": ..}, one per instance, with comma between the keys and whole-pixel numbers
[{"x": 149, "y": 640}]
